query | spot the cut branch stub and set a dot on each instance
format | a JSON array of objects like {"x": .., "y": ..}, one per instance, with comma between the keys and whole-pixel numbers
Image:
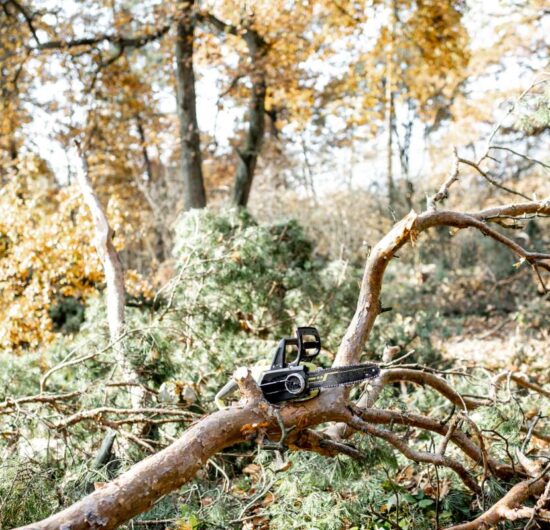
[{"x": 250, "y": 391}]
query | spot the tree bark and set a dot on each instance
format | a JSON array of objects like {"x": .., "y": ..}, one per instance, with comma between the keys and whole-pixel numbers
[
  {"x": 159, "y": 245},
  {"x": 139, "y": 488},
  {"x": 114, "y": 277},
  {"x": 191, "y": 158},
  {"x": 508, "y": 508},
  {"x": 248, "y": 157},
  {"x": 112, "y": 266}
]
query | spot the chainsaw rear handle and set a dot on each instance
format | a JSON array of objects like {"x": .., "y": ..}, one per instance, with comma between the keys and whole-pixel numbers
[{"x": 308, "y": 345}]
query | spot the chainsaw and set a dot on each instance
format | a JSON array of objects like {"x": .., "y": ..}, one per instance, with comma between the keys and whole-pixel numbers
[{"x": 300, "y": 379}]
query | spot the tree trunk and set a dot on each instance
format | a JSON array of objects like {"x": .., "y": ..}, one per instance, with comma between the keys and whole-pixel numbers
[
  {"x": 390, "y": 104},
  {"x": 389, "y": 140},
  {"x": 159, "y": 245},
  {"x": 137, "y": 490},
  {"x": 404, "y": 152},
  {"x": 254, "y": 137},
  {"x": 191, "y": 159}
]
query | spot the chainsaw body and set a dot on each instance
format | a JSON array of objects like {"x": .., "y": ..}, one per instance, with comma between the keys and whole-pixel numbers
[
  {"x": 287, "y": 381},
  {"x": 299, "y": 379}
]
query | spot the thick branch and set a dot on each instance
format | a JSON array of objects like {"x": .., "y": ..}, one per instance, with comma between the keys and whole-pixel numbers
[
  {"x": 507, "y": 508},
  {"x": 418, "y": 456},
  {"x": 459, "y": 438},
  {"x": 437, "y": 383},
  {"x": 368, "y": 306},
  {"x": 137, "y": 41},
  {"x": 145, "y": 483},
  {"x": 139, "y": 488},
  {"x": 310, "y": 440}
]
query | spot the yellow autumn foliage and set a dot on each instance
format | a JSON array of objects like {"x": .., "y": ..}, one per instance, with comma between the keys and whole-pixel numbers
[{"x": 46, "y": 254}]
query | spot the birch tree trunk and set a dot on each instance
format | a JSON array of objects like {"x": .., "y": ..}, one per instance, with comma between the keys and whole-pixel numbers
[{"x": 114, "y": 278}]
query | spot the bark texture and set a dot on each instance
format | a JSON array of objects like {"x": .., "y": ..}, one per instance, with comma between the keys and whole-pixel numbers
[
  {"x": 114, "y": 278},
  {"x": 112, "y": 266}
]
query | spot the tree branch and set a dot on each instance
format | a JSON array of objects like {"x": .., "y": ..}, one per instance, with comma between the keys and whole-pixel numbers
[
  {"x": 407, "y": 230},
  {"x": 137, "y": 41},
  {"x": 8, "y": 404},
  {"x": 216, "y": 23},
  {"x": 443, "y": 192},
  {"x": 436, "y": 459},
  {"x": 27, "y": 16},
  {"x": 437, "y": 383},
  {"x": 145, "y": 483},
  {"x": 490, "y": 179},
  {"x": 509, "y": 507},
  {"x": 459, "y": 438},
  {"x": 94, "y": 414}
]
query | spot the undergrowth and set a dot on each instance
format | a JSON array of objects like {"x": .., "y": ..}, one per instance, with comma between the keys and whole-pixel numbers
[{"x": 238, "y": 287}]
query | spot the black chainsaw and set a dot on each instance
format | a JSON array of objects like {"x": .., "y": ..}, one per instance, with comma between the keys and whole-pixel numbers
[{"x": 299, "y": 379}]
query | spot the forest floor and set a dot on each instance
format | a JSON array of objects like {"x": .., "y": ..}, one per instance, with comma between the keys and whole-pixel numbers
[{"x": 495, "y": 342}]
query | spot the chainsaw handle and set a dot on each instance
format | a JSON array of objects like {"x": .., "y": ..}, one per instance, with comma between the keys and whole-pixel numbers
[
  {"x": 303, "y": 346},
  {"x": 306, "y": 346}
]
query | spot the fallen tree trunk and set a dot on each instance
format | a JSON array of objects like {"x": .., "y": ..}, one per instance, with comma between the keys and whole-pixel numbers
[
  {"x": 139, "y": 488},
  {"x": 136, "y": 491}
]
